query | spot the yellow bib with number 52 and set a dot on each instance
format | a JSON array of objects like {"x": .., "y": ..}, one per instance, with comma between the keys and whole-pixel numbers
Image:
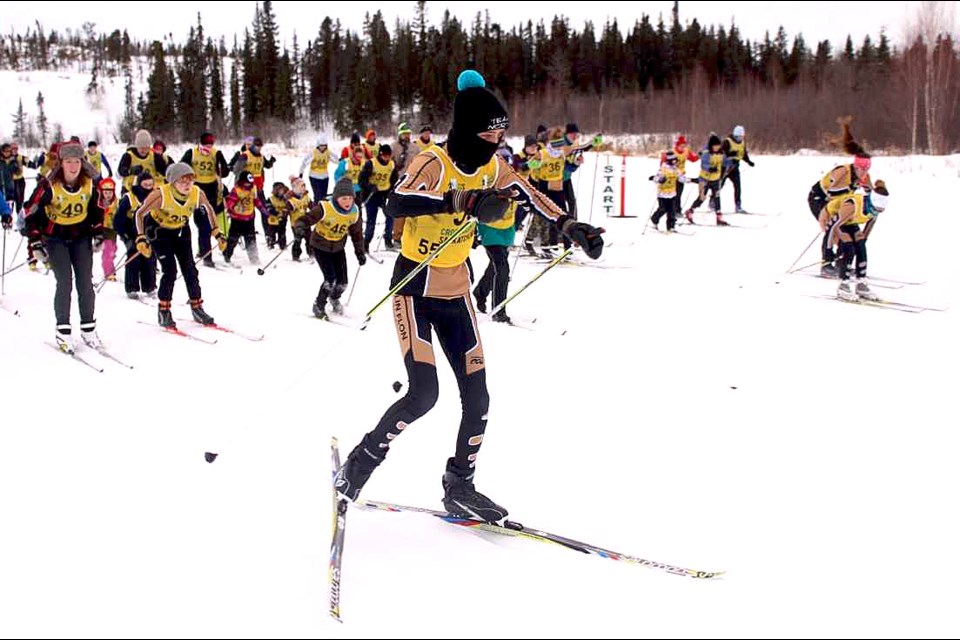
[
  {"x": 423, "y": 234},
  {"x": 69, "y": 208}
]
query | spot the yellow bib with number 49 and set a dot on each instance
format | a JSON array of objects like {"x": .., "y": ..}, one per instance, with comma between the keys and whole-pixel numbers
[
  {"x": 423, "y": 234},
  {"x": 69, "y": 208}
]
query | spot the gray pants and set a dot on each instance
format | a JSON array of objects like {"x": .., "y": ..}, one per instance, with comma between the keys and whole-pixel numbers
[{"x": 73, "y": 258}]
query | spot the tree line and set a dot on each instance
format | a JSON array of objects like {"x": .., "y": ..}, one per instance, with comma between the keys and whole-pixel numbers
[{"x": 655, "y": 75}]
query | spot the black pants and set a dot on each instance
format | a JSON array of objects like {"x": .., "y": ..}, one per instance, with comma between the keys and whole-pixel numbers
[
  {"x": 377, "y": 201},
  {"x": 299, "y": 240},
  {"x": 174, "y": 246},
  {"x": 560, "y": 199},
  {"x": 73, "y": 259},
  {"x": 497, "y": 275},
  {"x": 212, "y": 191},
  {"x": 817, "y": 200},
  {"x": 319, "y": 187},
  {"x": 713, "y": 188},
  {"x": 242, "y": 229},
  {"x": 571, "y": 196},
  {"x": 416, "y": 318},
  {"x": 850, "y": 250},
  {"x": 334, "y": 268},
  {"x": 141, "y": 273},
  {"x": 734, "y": 176},
  {"x": 277, "y": 235},
  {"x": 669, "y": 207},
  {"x": 19, "y": 189}
]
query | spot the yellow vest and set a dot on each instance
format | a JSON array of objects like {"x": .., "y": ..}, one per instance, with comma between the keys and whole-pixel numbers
[
  {"x": 716, "y": 168},
  {"x": 372, "y": 149},
  {"x": 526, "y": 173},
  {"x": 204, "y": 165},
  {"x": 421, "y": 145},
  {"x": 334, "y": 225},
  {"x": 245, "y": 203},
  {"x": 380, "y": 178},
  {"x": 551, "y": 164},
  {"x": 21, "y": 163},
  {"x": 668, "y": 188},
  {"x": 300, "y": 206},
  {"x": 353, "y": 171},
  {"x": 67, "y": 208},
  {"x": 96, "y": 160},
  {"x": 738, "y": 148},
  {"x": 254, "y": 164},
  {"x": 845, "y": 181},
  {"x": 148, "y": 166},
  {"x": 172, "y": 214},
  {"x": 859, "y": 215},
  {"x": 423, "y": 234},
  {"x": 318, "y": 166},
  {"x": 281, "y": 207},
  {"x": 681, "y": 161},
  {"x": 108, "y": 212},
  {"x": 134, "y": 204},
  {"x": 48, "y": 164}
]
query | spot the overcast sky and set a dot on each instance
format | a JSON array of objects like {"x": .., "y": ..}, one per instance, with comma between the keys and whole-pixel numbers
[{"x": 816, "y": 20}]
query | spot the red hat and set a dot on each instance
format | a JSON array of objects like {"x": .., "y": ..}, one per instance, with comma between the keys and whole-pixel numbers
[
  {"x": 370, "y": 132},
  {"x": 107, "y": 183},
  {"x": 682, "y": 140}
]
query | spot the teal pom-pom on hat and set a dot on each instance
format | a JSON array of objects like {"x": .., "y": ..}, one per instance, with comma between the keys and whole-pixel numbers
[{"x": 469, "y": 79}]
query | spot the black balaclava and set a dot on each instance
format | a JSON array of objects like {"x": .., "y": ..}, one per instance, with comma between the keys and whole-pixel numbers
[{"x": 475, "y": 110}]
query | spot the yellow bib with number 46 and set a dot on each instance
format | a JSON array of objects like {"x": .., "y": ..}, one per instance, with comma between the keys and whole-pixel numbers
[
  {"x": 423, "y": 234},
  {"x": 334, "y": 225}
]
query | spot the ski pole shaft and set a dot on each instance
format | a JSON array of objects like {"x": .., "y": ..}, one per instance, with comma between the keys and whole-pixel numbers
[
  {"x": 16, "y": 252},
  {"x": 464, "y": 228},
  {"x": 555, "y": 262},
  {"x": 3, "y": 266},
  {"x": 263, "y": 269},
  {"x": 354, "y": 285},
  {"x": 807, "y": 266},
  {"x": 593, "y": 191},
  {"x": 12, "y": 269},
  {"x": 523, "y": 243},
  {"x": 799, "y": 257}
]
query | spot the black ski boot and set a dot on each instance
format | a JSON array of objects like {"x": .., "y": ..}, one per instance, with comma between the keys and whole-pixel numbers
[
  {"x": 319, "y": 309},
  {"x": 165, "y": 317},
  {"x": 481, "y": 302},
  {"x": 461, "y": 498},
  {"x": 355, "y": 472},
  {"x": 501, "y": 316},
  {"x": 201, "y": 316}
]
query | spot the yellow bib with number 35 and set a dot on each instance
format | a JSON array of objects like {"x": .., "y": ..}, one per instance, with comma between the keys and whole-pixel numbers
[
  {"x": 334, "y": 225},
  {"x": 172, "y": 213},
  {"x": 423, "y": 234},
  {"x": 69, "y": 208}
]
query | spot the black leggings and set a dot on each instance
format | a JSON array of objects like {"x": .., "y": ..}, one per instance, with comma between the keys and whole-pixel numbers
[
  {"x": 817, "y": 200},
  {"x": 416, "y": 318},
  {"x": 174, "y": 246},
  {"x": 708, "y": 186},
  {"x": 334, "y": 267},
  {"x": 497, "y": 275},
  {"x": 140, "y": 274},
  {"x": 73, "y": 259}
]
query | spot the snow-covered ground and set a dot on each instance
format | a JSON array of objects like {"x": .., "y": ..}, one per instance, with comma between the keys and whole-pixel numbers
[{"x": 700, "y": 409}]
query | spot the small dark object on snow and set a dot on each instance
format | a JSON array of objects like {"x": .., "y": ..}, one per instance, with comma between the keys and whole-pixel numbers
[
  {"x": 397, "y": 386},
  {"x": 209, "y": 456}
]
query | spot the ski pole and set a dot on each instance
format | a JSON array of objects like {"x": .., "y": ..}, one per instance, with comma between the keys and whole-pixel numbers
[
  {"x": 790, "y": 270},
  {"x": 17, "y": 252},
  {"x": 3, "y": 266},
  {"x": 555, "y": 262},
  {"x": 12, "y": 269},
  {"x": 263, "y": 269},
  {"x": 807, "y": 266},
  {"x": 466, "y": 226},
  {"x": 354, "y": 285},
  {"x": 523, "y": 242},
  {"x": 593, "y": 191}
]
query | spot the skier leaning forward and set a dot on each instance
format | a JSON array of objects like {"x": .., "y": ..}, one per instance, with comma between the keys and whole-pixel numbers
[{"x": 442, "y": 186}]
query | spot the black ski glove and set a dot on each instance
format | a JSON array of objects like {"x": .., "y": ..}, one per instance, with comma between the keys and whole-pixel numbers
[
  {"x": 585, "y": 235},
  {"x": 361, "y": 258},
  {"x": 486, "y": 205}
]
